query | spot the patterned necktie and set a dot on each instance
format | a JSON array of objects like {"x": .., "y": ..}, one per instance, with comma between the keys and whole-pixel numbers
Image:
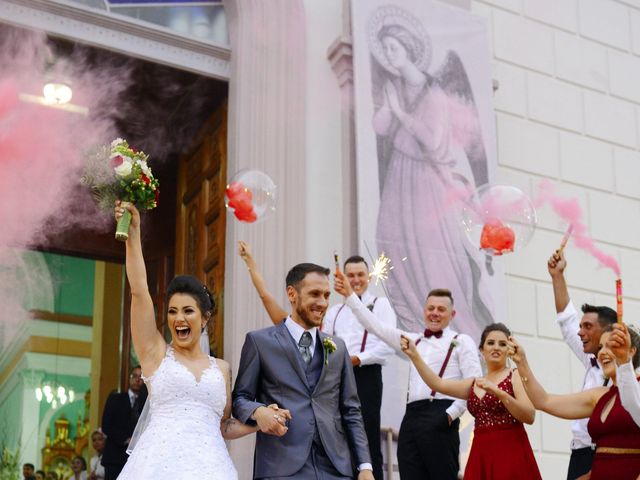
[
  {"x": 303, "y": 345},
  {"x": 428, "y": 333}
]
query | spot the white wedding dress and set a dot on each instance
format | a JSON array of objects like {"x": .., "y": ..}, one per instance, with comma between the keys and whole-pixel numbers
[{"x": 182, "y": 438}]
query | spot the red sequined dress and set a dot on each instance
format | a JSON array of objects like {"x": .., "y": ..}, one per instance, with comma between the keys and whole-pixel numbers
[
  {"x": 501, "y": 448},
  {"x": 620, "y": 434}
]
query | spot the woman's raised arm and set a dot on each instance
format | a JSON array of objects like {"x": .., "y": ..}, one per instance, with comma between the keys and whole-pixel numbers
[
  {"x": 275, "y": 311},
  {"x": 147, "y": 340},
  {"x": 570, "y": 406}
]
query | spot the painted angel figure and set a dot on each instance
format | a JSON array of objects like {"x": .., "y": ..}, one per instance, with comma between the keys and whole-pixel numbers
[{"x": 429, "y": 145}]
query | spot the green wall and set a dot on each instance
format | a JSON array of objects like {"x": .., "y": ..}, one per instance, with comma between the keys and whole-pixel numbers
[
  {"x": 10, "y": 414},
  {"x": 73, "y": 280}
]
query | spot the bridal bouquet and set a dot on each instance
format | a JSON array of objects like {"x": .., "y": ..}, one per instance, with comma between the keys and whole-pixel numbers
[{"x": 120, "y": 172}]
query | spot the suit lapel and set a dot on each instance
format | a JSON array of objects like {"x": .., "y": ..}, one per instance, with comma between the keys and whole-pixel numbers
[
  {"x": 293, "y": 354},
  {"x": 325, "y": 359}
]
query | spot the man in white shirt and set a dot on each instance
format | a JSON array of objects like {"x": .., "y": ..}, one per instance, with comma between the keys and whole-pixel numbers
[
  {"x": 429, "y": 444},
  {"x": 583, "y": 337},
  {"x": 368, "y": 353}
]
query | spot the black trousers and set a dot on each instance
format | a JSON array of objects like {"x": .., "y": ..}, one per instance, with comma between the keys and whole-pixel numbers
[
  {"x": 112, "y": 470},
  {"x": 369, "y": 385},
  {"x": 580, "y": 462},
  {"x": 428, "y": 447}
]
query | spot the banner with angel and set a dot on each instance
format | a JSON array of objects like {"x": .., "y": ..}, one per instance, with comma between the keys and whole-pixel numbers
[{"x": 425, "y": 133}]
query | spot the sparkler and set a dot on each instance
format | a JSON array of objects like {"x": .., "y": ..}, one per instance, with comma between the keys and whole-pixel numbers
[{"x": 381, "y": 268}]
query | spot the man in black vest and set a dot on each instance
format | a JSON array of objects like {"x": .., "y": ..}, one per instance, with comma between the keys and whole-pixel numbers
[{"x": 119, "y": 418}]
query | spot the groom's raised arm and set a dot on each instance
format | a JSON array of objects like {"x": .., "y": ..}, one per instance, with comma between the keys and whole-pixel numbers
[{"x": 246, "y": 387}]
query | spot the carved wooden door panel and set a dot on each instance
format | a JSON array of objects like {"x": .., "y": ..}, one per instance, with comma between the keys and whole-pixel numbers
[{"x": 201, "y": 216}]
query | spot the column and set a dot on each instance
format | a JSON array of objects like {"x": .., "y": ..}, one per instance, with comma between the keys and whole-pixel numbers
[
  {"x": 106, "y": 330},
  {"x": 30, "y": 416},
  {"x": 266, "y": 130}
]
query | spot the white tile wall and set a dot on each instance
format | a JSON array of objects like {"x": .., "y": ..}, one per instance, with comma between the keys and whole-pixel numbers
[
  {"x": 627, "y": 171},
  {"x": 562, "y": 14},
  {"x": 554, "y": 102},
  {"x": 580, "y": 60},
  {"x": 609, "y": 119},
  {"x": 528, "y": 146},
  {"x": 511, "y": 95},
  {"x": 586, "y": 162},
  {"x": 635, "y": 29},
  {"x": 606, "y": 21},
  {"x": 522, "y": 41},
  {"x": 624, "y": 70}
]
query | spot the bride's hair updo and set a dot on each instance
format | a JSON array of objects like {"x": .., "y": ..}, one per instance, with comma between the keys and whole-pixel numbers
[{"x": 190, "y": 285}]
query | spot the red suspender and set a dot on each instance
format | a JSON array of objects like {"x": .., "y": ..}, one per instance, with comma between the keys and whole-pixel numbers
[
  {"x": 336, "y": 319},
  {"x": 366, "y": 333},
  {"x": 446, "y": 362}
]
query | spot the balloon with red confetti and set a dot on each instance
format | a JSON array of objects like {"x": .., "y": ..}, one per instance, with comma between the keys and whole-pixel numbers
[
  {"x": 251, "y": 196},
  {"x": 499, "y": 219}
]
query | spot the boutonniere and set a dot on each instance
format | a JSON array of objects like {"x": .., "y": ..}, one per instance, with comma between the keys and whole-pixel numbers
[
  {"x": 454, "y": 343},
  {"x": 329, "y": 347},
  {"x": 370, "y": 307}
]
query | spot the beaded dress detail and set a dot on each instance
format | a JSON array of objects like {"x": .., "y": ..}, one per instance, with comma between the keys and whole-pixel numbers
[
  {"x": 500, "y": 448},
  {"x": 182, "y": 439},
  {"x": 488, "y": 411}
]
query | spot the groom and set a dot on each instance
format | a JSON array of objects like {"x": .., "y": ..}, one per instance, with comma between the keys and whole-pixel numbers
[{"x": 309, "y": 373}]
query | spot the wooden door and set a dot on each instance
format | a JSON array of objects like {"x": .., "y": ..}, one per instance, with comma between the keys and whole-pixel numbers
[{"x": 201, "y": 216}]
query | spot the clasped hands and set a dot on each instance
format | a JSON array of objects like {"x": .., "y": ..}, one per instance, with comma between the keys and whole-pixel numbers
[{"x": 272, "y": 420}]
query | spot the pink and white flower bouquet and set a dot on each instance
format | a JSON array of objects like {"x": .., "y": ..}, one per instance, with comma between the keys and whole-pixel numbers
[{"x": 120, "y": 172}]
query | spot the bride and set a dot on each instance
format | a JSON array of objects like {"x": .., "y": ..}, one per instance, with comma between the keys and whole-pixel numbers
[{"x": 189, "y": 391}]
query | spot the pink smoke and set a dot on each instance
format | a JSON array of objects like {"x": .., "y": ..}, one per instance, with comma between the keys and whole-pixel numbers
[
  {"x": 42, "y": 148},
  {"x": 569, "y": 210}
]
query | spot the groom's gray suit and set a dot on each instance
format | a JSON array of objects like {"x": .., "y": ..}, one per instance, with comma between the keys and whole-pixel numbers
[{"x": 272, "y": 371}]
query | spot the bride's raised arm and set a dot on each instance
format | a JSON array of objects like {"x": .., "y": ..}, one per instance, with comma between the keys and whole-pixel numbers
[{"x": 147, "y": 340}]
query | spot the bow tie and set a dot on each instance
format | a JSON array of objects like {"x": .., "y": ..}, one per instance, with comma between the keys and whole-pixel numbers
[
  {"x": 594, "y": 362},
  {"x": 428, "y": 333}
]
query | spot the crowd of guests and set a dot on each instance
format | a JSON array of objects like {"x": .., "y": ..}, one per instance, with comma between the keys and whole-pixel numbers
[{"x": 447, "y": 377}]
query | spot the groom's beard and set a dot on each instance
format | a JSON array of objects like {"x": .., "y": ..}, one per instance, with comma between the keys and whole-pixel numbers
[{"x": 306, "y": 319}]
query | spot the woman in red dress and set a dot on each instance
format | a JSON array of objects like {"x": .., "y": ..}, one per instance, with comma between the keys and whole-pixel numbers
[
  {"x": 611, "y": 425},
  {"x": 500, "y": 406}
]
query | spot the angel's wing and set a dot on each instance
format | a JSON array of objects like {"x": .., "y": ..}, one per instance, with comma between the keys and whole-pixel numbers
[{"x": 453, "y": 79}]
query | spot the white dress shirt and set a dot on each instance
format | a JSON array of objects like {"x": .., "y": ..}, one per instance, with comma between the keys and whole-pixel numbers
[
  {"x": 629, "y": 389},
  {"x": 132, "y": 397},
  {"x": 341, "y": 322},
  {"x": 569, "y": 321},
  {"x": 464, "y": 361},
  {"x": 96, "y": 466},
  {"x": 296, "y": 332}
]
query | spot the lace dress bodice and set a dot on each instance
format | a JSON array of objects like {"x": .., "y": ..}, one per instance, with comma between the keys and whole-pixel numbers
[{"x": 182, "y": 439}]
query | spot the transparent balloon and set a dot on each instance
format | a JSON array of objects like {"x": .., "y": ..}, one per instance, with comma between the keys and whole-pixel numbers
[
  {"x": 499, "y": 219},
  {"x": 251, "y": 196}
]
